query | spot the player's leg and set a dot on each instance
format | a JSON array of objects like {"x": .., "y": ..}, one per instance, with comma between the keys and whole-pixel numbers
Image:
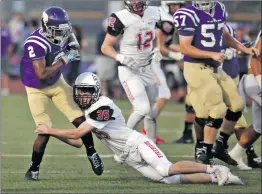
[
  {"x": 235, "y": 106},
  {"x": 37, "y": 101},
  {"x": 206, "y": 97},
  {"x": 187, "y": 136},
  {"x": 63, "y": 100},
  {"x": 136, "y": 93}
]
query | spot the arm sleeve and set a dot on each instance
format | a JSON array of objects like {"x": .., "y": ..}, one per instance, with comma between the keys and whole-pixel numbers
[
  {"x": 185, "y": 23},
  {"x": 115, "y": 26}
]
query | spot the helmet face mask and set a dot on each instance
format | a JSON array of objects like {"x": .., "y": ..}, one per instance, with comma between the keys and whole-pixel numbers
[
  {"x": 87, "y": 90},
  {"x": 56, "y": 25},
  {"x": 136, "y": 6},
  {"x": 206, "y": 5}
]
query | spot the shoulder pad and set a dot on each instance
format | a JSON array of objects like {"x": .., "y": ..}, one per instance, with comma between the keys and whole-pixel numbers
[{"x": 102, "y": 113}]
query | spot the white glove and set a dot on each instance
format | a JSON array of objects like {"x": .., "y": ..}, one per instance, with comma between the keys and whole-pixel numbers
[
  {"x": 258, "y": 78},
  {"x": 175, "y": 55},
  {"x": 128, "y": 61},
  {"x": 156, "y": 55},
  {"x": 230, "y": 53}
]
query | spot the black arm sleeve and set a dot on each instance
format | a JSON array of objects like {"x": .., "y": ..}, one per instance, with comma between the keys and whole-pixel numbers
[
  {"x": 166, "y": 27},
  {"x": 115, "y": 26}
]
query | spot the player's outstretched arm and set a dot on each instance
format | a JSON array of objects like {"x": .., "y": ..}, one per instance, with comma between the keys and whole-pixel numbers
[
  {"x": 83, "y": 129},
  {"x": 232, "y": 42},
  {"x": 107, "y": 47}
]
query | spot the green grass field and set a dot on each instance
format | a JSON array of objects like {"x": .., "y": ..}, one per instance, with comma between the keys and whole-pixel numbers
[{"x": 66, "y": 169}]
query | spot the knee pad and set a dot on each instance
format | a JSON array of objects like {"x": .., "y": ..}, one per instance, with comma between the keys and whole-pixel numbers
[
  {"x": 214, "y": 123},
  {"x": 163, "y": 169},
  {"x": 189, "y": 109},
  {"x": 142, "y": 109},
  {"x": 233, "y": 116},
  {"x": 175, "y": 179},
  {"x": 201, "y": 121}
]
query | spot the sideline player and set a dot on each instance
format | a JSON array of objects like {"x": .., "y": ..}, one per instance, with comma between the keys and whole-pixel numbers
[
  {"x": 135, "y": 28},
  {"x": 211, "y": 90},
  {"x": 250, "y": 85},
  {"x": 105, "y": 119},
  {"x": 46, "y": 50}
]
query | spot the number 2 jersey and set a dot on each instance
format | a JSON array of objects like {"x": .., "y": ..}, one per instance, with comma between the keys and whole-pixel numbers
[
  {"x": 110, "y": 124},
  {"x": 36, "y": 47},
  {"x": 137, "y": 33},
  {"x": 206, "y": 28}
]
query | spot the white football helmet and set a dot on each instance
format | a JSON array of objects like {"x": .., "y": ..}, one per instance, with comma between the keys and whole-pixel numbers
[
  {"x": 165, "y": 4},
  {"x": 204, "y": 5},
  {"x": 87, "y": 90}
]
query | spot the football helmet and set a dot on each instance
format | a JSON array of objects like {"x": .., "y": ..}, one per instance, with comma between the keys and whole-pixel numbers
[
  {"x": 136, "y": 6},
  {"x": 206, "y": 5},
  {"x": 87, "y": 90},
  {"x": 165, "y": 4},
  {"x": 55, "y": 25}
]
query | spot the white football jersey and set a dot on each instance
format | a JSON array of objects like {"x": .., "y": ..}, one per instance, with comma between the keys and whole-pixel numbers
[
  {"x": 138, "y": 33},
  {"x": 110, "y": 124}
]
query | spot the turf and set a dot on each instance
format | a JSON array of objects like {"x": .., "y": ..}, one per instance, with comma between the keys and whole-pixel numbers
[{"x": 66, "y": 170}]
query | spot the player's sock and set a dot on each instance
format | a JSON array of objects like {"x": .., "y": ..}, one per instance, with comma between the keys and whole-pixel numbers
[
  {"x": 89, "y": 144},
  {"x": 36, "y": 160},
  {"x": 134, "y": 119},
  {"x": 223, "y": 138},
  {"x": 151, "y": 128},
  {"x": 187, "y": 133},
  {"x": 237, "y": 151},
  {"x": 207, "y": 148},
  {"x": 250, "y": 151}
]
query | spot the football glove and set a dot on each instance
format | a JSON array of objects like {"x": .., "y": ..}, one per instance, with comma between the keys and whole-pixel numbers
[
  {"x": 127, "y": 61},
  {"x": 156, "y": 55},
  {"x": 73, "y": 43},
  {"x": 230, "y": 54},
  {"x": 70, "y": 55}
]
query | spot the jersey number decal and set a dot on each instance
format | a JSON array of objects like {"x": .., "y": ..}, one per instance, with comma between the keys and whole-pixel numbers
[
  {"x": 144, "y": 40},
  {"x": 31, "y": 51},
  {"x": 183, "y": 17},
  {"x": 103, "y": 115},
  {"x": 210, "y": 35}
]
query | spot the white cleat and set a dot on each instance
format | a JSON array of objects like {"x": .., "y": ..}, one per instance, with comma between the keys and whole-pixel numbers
[
  {"x": 233, "y": 180},
  {"x": 240, "y": 163},
  {"x": 222, "y": 175}
]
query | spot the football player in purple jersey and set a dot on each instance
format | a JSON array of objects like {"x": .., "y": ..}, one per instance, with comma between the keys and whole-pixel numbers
[
  {"x": 46, "y": 50},
  {"x": 201, "y": 33}
]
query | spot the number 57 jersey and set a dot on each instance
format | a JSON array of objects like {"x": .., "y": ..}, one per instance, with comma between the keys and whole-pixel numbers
[
  {"x": 206, "y": 28},
  {"x": 137, "y": 33}
]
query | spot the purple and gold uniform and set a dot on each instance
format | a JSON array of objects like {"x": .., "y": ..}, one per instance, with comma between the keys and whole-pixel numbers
[
  {"x": 38, "y": 46},
  {"x": 211, "y": 90}
]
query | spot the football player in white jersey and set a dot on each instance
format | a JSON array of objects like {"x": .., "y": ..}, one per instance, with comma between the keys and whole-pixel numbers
[
  {"x": 250, "y": 85},
  {"x": 135, "y": 29},
  {"x": 169, "y": 48},
  {"x": 105, "y": 119}
]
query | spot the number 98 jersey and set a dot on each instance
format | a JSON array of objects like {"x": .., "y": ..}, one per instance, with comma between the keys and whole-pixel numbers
[
  {"x": 206, "y": 28},
  {"x": 137, "y": 33}
]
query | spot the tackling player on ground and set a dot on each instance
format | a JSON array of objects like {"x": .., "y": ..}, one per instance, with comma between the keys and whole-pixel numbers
[
  {"x": 135, "y": 28},
  {"x": 105, "y": 119},
  {"x": 46, "y": 50},
  {"x": 211, "y": 90}
]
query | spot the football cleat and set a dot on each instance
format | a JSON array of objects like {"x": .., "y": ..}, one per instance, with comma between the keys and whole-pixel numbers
[
  {"x": 158, "y": 139},
  {"x": 222, "y": 174},
  {"x": 220, "y": 152},
  {"x": 205, "y": 159},
  {"x": 96, "y": 163},
  {"x": 233, "y": 180},
  {"x": 254, "y": 162},
  {"x": 184, "y": 140},
  {"x": 32, "y": 175},
  {"x": 240, "y": 163}
]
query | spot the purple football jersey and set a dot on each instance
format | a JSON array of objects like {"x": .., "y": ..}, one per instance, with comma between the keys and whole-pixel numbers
[
  {"x": 5, "y": 40},
  {"x": 36, "y": 47},
  {"x": 231, "y": 66},
  {"x": 206, "y": 28}
]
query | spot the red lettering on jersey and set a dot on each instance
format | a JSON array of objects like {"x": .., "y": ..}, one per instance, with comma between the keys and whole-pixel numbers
[
  {"x": 154, "y": 149},
  {"x": 111, "y": 22},
  {"x": 144, "y": 41},
  {"x": 103, "y": 115},
  {"x": 128, "y": 92}
]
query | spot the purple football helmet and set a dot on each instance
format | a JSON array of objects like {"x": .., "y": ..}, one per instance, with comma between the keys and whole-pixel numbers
[{"x": 56, "y": 25}]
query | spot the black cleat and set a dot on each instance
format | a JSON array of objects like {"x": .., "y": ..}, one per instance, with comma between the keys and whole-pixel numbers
[
  {"x": 220, "y": 152},
  {"x": 204, "y": 158},
  {"x": 96, "y": 163},
  {"x": 32, "y": 175},
  {"x": 254, "y": 161},
  {"x": 184, "y": 140}
]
